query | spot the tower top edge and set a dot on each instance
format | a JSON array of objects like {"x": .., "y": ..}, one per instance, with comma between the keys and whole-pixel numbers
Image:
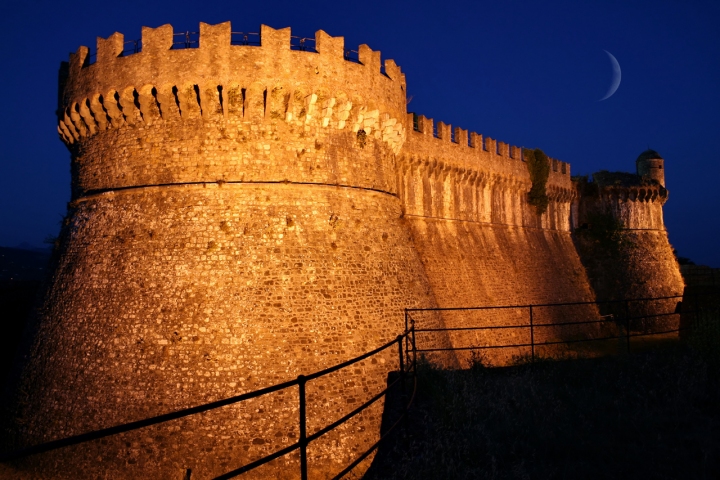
[{"x": 217, "y": 53}]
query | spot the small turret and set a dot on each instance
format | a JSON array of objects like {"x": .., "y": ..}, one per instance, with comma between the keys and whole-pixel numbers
[{"x": 650, "y": 165}]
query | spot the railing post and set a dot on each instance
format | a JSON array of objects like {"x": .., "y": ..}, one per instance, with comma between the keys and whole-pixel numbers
[
  {"x": 303, "y": 428},
  {"x": 532, "y": 336},
  {"x": 627, "y": 324},
  {"x": 402, "y": 363},
  {"x": 414, "y": 348},
  {"x": 407, "y": 337}
]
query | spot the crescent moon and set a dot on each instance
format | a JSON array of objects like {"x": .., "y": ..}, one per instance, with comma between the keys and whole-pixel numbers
[{"x": 616, "y": 77}]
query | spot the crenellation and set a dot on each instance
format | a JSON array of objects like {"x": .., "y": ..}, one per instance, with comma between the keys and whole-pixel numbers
[
  {"x": 156, "y": 40},
  {"x": 490, "y": 145},
  {"x": 369, "y": 58},
  {"x": 77, "y": 61},
  {"x": 225, "y": 65},
  {"x": 425, "y": 125},
  {"x": 270, "y": 38},
  {"x": 110, "y": 48},
  {"x": 499, "y": 196},
  {"x": 502, "y": 149},
  {"x": 443, "y": 132},
  {"x": 215, "y": 39},
  {"x": 461, "y": 137},
  {"x": 394, "y": 72},
  {"x": 332, "y": 47}
]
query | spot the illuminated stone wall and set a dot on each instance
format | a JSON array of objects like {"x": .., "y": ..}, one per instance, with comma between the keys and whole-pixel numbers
[
  {"x": 245, "y": 214},
  {"x": 234, "y": 223},
  {"x": 638, "y": 262},
  {"x": 482, "y": 244}
]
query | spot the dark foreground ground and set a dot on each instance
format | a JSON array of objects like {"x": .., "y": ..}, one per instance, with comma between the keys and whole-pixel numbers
[{"x": 645, "y": 416}]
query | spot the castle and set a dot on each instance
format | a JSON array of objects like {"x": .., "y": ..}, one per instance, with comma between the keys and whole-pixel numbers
[{"x": 242, "y": 214}]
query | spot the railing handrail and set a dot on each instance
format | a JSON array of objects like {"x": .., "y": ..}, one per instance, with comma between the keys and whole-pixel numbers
[
  {"x": 626, "y": 320},
  {"x": 528, "y": 305},
  {"x": 406, "y": 365},
  {"x": 536, "y": 325},
  {"x": 194, "y": 42},
  {"x": 304, "y": 440}
]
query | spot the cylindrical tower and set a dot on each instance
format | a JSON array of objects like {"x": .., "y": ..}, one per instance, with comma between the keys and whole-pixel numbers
[
  {"x": 650, "y": 165},
  {"x": 234, "y": 223},
  {"x": 623, "y": 243}
]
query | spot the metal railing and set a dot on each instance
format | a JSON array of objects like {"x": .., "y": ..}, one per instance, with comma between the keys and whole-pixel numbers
[
  {"x": 188, "y": 39},
  {"x": 407, "y": 363},
  {"x": 304, "y": 44},
  {"x": 135, "y": 46},
  {"x": 245, "y": 38},
  {"x": 627, "y": 322},
  {"x": 407, "y": 350},
  {"x": 352, "y": 56}
]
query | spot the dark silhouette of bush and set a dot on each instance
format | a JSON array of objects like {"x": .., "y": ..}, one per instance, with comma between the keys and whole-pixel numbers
[{"x": 538, "y": 165}]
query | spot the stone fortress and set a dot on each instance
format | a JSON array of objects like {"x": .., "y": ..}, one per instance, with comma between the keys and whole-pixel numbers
[{"x": 243, "y": 214}]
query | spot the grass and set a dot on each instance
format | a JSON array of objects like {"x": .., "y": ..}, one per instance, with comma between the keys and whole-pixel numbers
[{"x": 648, "y": 415}]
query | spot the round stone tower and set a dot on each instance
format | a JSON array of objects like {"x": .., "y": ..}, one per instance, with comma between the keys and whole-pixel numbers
[
  {"x": 234, "y": 223},
  {"x": 651, "y": 165}
]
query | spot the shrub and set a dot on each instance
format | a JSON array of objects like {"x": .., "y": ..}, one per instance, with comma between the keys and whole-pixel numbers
[
  {"x": 606, "y": 231},
  {"x": 538, "y": 165}
]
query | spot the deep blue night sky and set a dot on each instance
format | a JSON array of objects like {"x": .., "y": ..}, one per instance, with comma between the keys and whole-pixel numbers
[{"x": 527, "y": 73}]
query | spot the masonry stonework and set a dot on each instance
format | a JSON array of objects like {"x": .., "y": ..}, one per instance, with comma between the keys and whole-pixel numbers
[{"x": 245, "y": 214}]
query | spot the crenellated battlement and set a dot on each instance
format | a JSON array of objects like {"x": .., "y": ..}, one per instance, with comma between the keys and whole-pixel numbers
[
  {"x": 451, "y": 173},
  {"x": 473, "y": 150},
  {"x": 634, "y": 201},
  {"x": 221, "y": 80},
  {"x": 214, "y": 46}
]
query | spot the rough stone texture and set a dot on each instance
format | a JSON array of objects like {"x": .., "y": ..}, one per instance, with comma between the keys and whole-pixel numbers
[
  {"x": 639, "y": 262},
  {"x": 482, "y": 244},
  {"x": 234, "y": 224},
  {"x": 194, "y": 293},
  {"x": 245, "y": 214},
  {"x": 472, "y": 264}
]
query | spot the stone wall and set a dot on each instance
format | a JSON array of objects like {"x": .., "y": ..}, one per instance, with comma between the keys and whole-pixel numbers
[
  {"x": 482, "y": 244},
  {"x": 637, "y": 260},
  {"x": 245, "y": 214},
  {"x": 234, "y": 224},
  {"x": 478, "y": 179},
  {"x": 169, "y": 297}
]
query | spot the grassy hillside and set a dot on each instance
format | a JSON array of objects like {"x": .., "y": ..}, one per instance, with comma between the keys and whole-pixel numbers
[{"x": 649, "y": 415}]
